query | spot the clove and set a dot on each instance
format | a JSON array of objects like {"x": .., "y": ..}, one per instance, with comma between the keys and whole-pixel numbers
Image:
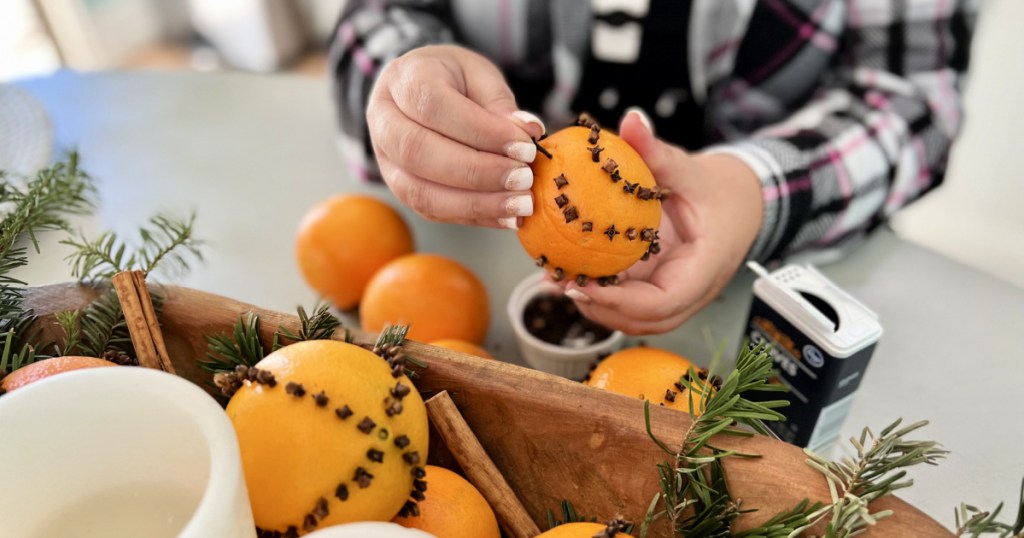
[
  {"x": 343, "y": 412},
  {"x": 367, "y": 425},
  {"x": 295, "y": 389}
]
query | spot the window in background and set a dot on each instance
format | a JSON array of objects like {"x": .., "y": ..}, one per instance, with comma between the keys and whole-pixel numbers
[{"x": 25, "y": 46}]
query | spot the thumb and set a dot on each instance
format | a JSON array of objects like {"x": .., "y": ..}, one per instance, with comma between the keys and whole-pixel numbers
[{"x": 664, "y": 160}]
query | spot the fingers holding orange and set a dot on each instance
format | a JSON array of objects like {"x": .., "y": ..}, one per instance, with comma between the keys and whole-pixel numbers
[
  {"x": 433, "y": 156},
  {"x": 438, "y": 202}
]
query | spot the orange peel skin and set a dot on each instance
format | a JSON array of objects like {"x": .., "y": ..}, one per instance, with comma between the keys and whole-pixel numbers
[{"x": 592, "y": 219}]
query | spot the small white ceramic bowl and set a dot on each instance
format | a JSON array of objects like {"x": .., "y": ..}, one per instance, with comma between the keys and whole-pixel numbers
[
  {"x": 573, "y": 363},
  {"x": 124, "y": 451}
]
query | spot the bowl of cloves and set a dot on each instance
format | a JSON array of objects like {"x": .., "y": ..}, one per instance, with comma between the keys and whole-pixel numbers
[{"x": 553, "y": 335}]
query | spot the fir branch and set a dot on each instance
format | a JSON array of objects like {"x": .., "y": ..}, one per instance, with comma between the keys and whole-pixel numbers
[
  {"x": 20, "y": 343},
  {"x": 68, "y": 321},
  {"x": 241, "y": 347},
  {"x": 971, "y": 521},
  {"x": 569, "y": 515},
  {"x": 389, "y": 347},
  {"x": 391, "y": 336},
  {"x": 11, "y": 360},
  {"x": 878, "y": 470},
  {"x": 104, "y": 328},
  {"x": 320, "y": 326},
  {"x": 168, "y": 244},
  {"x": 42, "y": 204}
]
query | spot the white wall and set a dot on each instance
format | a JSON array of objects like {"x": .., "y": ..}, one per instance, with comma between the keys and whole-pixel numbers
[{"x": 977, "y": 216}]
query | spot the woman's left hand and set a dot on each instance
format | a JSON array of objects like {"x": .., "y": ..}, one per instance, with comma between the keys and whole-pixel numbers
[{"x": 709, "y": 222}]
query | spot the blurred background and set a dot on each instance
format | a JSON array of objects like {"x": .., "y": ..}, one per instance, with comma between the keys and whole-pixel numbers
[
  {"x": 41, "y": 36},
  {"x": 976, "y": 217}
]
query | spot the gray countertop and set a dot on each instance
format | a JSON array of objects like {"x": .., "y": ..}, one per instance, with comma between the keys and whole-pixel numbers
[{"x": 250, "y": 154}]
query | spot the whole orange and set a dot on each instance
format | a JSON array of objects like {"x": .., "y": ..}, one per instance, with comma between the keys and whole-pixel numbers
[
  {"x": 579, "y": 530},
  {"x": 48, "y": 367},
  {"x": 438, "y": 297},
  {"x": 453, "y": 508},
  {"x": 463, "y": 346},
  {"x": 344, "y": 240},
  {"x": 322, "y": 441},
  {"x": 594, "y": 216},
  {"x": 648, "y": 374}
]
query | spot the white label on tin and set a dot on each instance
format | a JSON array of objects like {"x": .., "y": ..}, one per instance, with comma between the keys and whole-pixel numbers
[{"x": 830, "y": 421}]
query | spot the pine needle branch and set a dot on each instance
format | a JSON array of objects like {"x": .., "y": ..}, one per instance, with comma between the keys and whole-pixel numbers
[
  {"x": 68, "y": 321},
  {"x": 104, "y": 328},
  {"x": 319, "y": 326},
  {"x": 241, "y": 347},
  {"x": 167, "y": 243},
  {"x": 569, "y": 515},
  {"x": 42, "y": 204}
]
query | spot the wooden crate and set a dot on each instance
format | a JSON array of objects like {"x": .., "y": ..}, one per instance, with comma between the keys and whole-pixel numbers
[{"x": 551, "y": 438}]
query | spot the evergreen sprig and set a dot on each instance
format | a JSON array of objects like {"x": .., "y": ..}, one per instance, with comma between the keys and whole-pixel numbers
[
  {"x": 785, "y": 524},
  {"x": 319, "y": 326},
  {"x": 569, "y": 515},
  {"x": 42, "y": 204},
  {"x": 694, "y": 493},
  {"x": 241, "y": 347},
  {"x": 104, "y": 328},
  {"x": 68, "y": 321},
  {"x": 167, "y": 243},
  {"x": 878, "y": 470},
  {"x": 972, "y": 521}
]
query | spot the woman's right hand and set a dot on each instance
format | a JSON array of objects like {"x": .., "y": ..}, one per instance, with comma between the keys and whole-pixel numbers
[{"x": 449, "y": 139}]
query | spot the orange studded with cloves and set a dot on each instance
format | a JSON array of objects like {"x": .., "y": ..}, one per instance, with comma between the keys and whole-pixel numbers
[
  {"x": 597, "y": 208},
  {"x": 329, "y": 433}
]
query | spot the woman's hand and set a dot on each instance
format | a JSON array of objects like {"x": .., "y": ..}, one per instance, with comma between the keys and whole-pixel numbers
[
  {"x": 449, "y": 139},
  {"x": 709, "y": 222}
]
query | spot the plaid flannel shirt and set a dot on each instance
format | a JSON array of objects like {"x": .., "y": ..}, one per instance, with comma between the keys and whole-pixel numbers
[{"x": 845, "y": 109}]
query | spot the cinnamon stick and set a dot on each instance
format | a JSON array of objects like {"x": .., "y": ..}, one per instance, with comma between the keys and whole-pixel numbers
[
  {"x": 479, "y": 468},
  {"x": 140, "y": 316}
]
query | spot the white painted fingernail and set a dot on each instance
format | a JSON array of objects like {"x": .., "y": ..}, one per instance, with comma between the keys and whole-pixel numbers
[
  {"x": 643, "y": 117},
  {"x": 512, "y": 223},
  {"x": 519, "y": 179},
  {"x": 521, "y": 151},
  {"x": 577, "y": 295},
  {"x": 520, "y": 206},
  {"x": 529, "y": 118}
]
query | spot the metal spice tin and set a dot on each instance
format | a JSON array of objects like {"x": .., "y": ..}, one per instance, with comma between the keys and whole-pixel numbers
[{"x": 821, "y": 340}]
